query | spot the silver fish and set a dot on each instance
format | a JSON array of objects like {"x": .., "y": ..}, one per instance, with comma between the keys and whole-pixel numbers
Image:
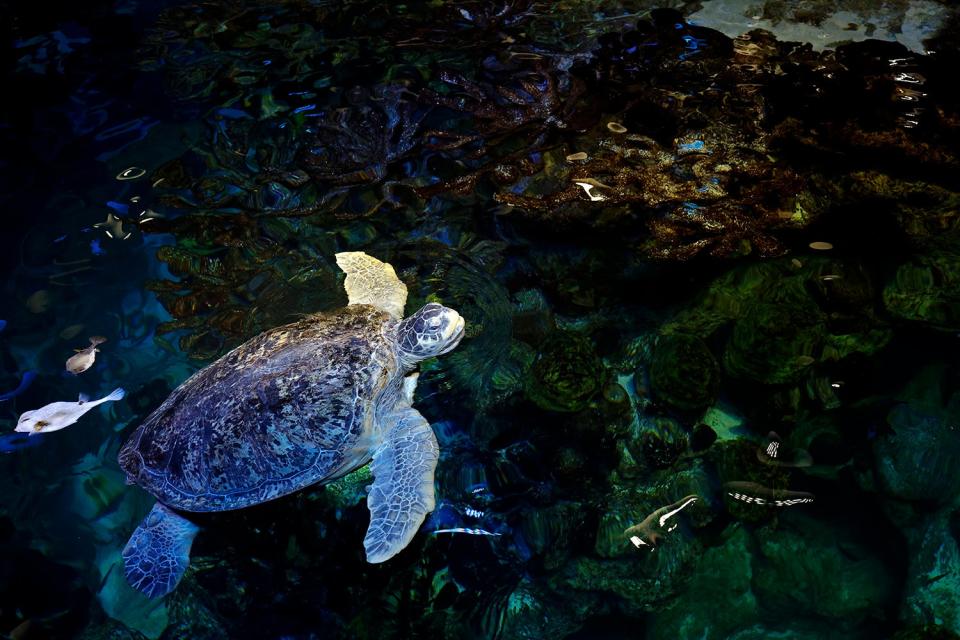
[
  {"x": 57, "y": 415},
  {"x": 83, "y": 359},
  {"x": 472, "y": 532}
]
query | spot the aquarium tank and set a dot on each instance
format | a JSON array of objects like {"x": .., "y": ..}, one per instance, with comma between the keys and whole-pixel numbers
[{"x": 480, "y": 319}]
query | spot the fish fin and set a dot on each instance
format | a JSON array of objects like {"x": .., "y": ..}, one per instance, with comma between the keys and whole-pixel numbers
[
  {"x": 83, "y": 398},
  {"x": 116, "y": 394},
  {"x": 79, "y": 350},
  {"x": 95, "y": 340}
]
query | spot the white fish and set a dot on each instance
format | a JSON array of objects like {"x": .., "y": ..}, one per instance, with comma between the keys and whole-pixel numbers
[
  {"x": 472, "y": 532},
  {"x": 83, "y": 359},
  {"x": 57, "y": 415}
]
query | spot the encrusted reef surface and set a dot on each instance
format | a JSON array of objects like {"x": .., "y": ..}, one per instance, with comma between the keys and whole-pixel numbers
[{"x": 709, "y": 263}]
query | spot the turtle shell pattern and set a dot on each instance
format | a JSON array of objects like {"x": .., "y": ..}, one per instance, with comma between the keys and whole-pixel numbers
[{"x": 289, "y": 408}]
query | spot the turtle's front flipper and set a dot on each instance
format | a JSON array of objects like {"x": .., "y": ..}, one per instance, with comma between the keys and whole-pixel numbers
[
  {"x": 158, "y": 552},
  {"x": 402, "y": 492}
]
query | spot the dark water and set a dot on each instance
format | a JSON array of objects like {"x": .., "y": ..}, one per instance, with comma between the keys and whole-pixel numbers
[{"x": 667, "y": 242}]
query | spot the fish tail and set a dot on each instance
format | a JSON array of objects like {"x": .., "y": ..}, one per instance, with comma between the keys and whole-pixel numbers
[
  {"x": 95, "y": 340},
  {"x": 116, "y": 394}
]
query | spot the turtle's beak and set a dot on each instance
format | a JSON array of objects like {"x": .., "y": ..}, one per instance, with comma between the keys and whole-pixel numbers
[
  {"x": 453, "y": 330},
  {"x": 454, "y": 326}
]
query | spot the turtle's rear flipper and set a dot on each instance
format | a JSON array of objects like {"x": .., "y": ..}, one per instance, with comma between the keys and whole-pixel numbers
[
  {"x": 158, "y": 552},
  {"x": 402, "y": 492}
]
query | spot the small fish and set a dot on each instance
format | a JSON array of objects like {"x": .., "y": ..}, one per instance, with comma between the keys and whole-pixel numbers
[
  {"x": 57, "y": 415},
  {"x": 779, "y": 455},
  {"x": 753, "y": 493},
  {"x": 24, "y": 383},
  {"x": 83, "y": 359},
  {"x": 472, "y": 532},
  {"x": 654, "y": 527},
  {"x": 113, "y": 227}
]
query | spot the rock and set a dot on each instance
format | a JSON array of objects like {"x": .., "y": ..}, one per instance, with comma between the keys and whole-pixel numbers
[
  {"x": 925, "y": 632},
  {"x": 803, "y": 569},
  {"x": 684, "y": 375},
  {"x": 549, "y": 532},
  {"x": 532, "y": 613},
  {"x": 111, "y": 630},
  {"x": 932, "y": 594},
  {"x": 926, "y": 290},
  {"x": 661, "y": 441},
  {"x": 193, "y": 615},
  {"x": 774, "y": 342},
  {"x": 724, "y": 574},
  {"x": 565, "y": 374},
  {"x": 917, "y": 461}
]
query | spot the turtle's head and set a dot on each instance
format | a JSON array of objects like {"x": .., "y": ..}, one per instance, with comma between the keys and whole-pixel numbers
[{"x": 432, "y": 331}]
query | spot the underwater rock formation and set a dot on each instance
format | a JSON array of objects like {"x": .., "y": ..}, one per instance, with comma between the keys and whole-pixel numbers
[
  {"x": 110, "y": 630},
  {"x": 786, "y": 318},
  {"x": 773, "y": 342},
  {"x": 803, "y": 570},
  {"x": 723, "y": 574},
  {"x": 916, "y": 459},
  {"x": 932, "y": 593},
  {"x": 532, "y": 613},
  {"x": 565, "y": 374},
  {"x": 661, "y": 442},
  {"x": 926, "y": 290},
  {"x": 684, "y": 375}
]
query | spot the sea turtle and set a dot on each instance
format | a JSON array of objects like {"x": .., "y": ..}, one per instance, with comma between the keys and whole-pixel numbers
[{"x": 297, "y": 405}]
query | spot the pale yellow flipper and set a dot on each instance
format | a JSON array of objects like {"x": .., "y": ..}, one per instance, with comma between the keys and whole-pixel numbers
[{"x": 370, "y": 281}]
